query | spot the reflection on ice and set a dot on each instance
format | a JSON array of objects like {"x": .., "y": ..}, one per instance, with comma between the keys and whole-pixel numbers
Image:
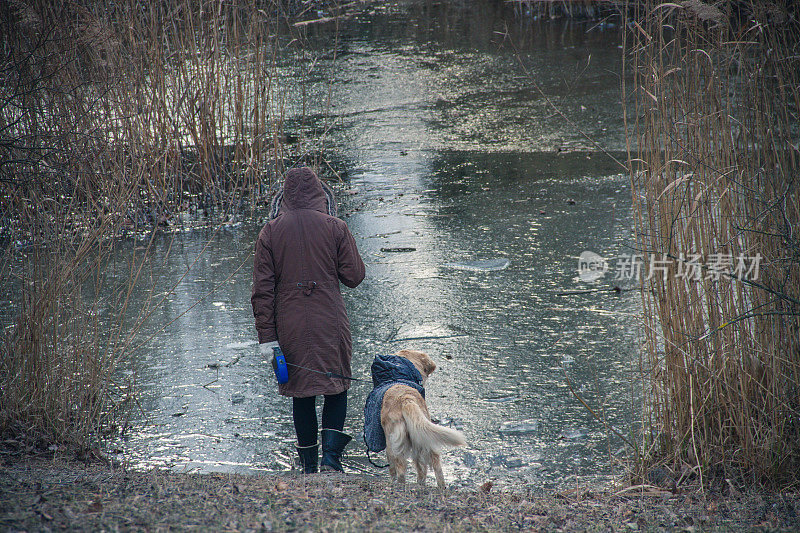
[
  {"x": 573, "y": 434},
  {"x": 424, "y": 332},
  {"x": 240, "y": 345},
  {"x": 522, "y": 427},
  {"x": 480, "y": 265},
  {"x": 500, "y": 399}
]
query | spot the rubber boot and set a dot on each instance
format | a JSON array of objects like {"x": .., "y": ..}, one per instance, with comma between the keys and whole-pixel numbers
[
  {"x": 308, "y": 458},
  {"x": 333, "y": 443}
]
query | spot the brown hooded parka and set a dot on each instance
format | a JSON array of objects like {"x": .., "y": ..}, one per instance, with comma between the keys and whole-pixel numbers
[{"x": 300, "y": 258}]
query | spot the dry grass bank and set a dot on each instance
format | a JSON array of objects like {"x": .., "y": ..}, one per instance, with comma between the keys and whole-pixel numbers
[{"x": 57, "y": 496}]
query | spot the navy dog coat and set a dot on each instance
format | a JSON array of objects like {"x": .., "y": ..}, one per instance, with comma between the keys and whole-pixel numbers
[{"x": 387, "y": 370}]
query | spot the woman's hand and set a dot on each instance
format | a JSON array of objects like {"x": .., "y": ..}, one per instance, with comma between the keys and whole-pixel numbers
[{"x": 266, "y": 348}]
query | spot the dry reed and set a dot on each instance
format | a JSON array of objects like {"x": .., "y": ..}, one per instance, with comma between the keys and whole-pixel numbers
[
  {"x": 114, "y": 116},
  {"x": 714, "y": 162}
]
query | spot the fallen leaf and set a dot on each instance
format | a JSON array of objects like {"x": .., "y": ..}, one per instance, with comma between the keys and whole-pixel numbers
[
  {"x": 95, "y": 507},
  {"x": 377, "y": 506}
]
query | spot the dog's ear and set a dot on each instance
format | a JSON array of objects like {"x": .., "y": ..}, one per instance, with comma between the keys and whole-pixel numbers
[
  {"x": 428, "y": 365},
  {"x": 420, "y": 359}
]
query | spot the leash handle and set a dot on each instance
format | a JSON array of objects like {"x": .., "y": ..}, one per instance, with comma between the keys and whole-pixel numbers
[{"x": 279, "y": 365}]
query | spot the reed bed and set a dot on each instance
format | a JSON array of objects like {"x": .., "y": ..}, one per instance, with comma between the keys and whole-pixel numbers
[
  {"x": 115, "y": 116},
  {"x": 714, "y": 164},
  {"x": 181, "y": 96}
]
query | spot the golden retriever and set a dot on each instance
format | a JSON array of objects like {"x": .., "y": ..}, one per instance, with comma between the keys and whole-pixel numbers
[{"x": 409, "y": 430}]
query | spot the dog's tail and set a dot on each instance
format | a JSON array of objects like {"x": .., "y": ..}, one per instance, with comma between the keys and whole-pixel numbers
[{"x": 426, "y": 435}]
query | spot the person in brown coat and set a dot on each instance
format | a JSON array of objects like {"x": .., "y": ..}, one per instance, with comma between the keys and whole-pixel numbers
[{"x": 301, "y": 256}]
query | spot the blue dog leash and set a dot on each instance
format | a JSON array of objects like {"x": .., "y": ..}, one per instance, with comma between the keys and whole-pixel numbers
[{"x": 280, "y": 366}]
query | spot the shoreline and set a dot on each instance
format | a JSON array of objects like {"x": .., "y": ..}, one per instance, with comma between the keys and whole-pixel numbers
[{"x": 40, "y": 495}]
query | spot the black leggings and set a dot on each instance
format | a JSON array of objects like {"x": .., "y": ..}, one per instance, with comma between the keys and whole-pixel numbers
[{"x": 304, "y": 413}]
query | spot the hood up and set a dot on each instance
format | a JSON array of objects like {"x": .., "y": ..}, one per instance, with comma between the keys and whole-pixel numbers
[{"x": 302, "y": 189}]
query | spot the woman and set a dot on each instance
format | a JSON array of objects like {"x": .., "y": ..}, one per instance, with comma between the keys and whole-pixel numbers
[{"x": 301, "y": 256}]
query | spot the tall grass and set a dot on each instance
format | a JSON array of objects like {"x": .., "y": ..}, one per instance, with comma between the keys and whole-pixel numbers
[
  {"x": 114, "y": 115},
  {"x": 714, "y": 166}
]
